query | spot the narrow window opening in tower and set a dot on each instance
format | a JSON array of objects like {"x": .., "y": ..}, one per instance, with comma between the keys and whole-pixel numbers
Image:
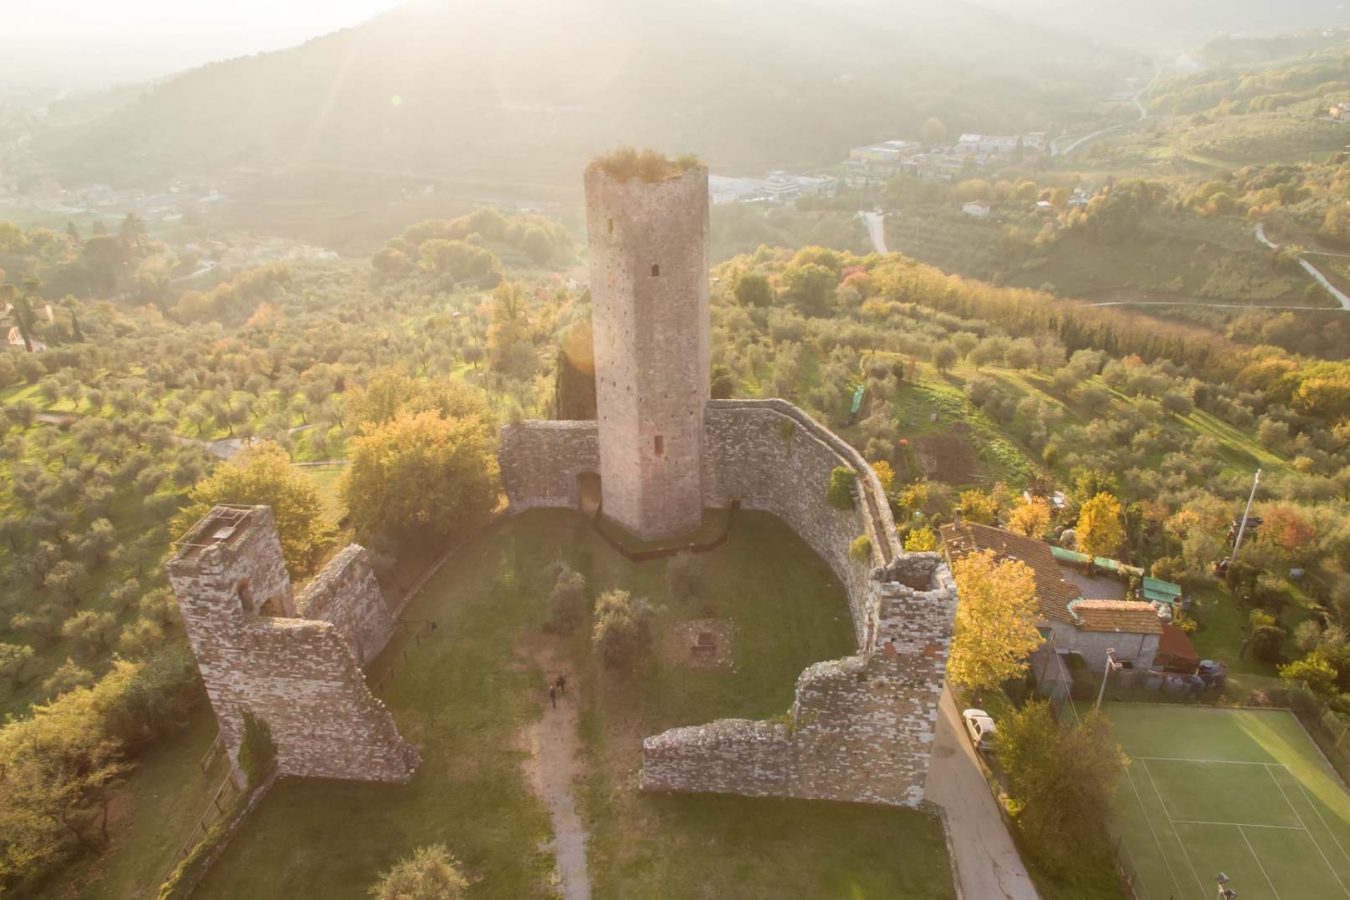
[
  {"x": 611, "y": 226},
  {"x": 245, "y": 595},
  {"x": 660, "y": 445},
  {"x": 656, "y": 270}
]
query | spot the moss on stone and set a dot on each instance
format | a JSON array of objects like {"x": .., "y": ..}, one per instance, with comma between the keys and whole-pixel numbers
[{"x": 627, "y": 163}]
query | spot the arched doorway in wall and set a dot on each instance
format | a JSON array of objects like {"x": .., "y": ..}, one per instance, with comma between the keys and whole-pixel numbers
[{"x": 588, "y": 492}]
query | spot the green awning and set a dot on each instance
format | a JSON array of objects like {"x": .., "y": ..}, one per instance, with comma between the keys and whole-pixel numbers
[{"x": 1155, "y": 589}]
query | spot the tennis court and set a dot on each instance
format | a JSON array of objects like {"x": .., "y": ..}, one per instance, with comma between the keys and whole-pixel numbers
[{"x": 1241, "y": 791}]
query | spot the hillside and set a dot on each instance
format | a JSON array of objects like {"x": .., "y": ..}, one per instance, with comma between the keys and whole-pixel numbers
[
  {"x": 1172, "y": 26},
  {"x": 518, "y": 93}
]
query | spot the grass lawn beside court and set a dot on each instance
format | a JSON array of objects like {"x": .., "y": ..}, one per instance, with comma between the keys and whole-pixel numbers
[
  {"x": 467, "y": 692},
  {"x": 1245, "y": 792}
]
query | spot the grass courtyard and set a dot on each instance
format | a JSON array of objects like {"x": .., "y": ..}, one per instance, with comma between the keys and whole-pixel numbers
[
  {"x": 1245, "y": 792},
  {"x": 468, "y": 691}
]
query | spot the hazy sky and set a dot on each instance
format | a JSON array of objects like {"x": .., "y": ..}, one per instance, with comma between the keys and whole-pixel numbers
[
  {"x": 182, "y": 18},
  {"x": 85, "y": 43}
]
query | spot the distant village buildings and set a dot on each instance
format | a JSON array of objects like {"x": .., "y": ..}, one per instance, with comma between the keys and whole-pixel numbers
[{"x": 776, "y": 187}]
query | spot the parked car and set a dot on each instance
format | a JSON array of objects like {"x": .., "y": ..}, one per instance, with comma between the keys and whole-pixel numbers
[{"x": 981, "y": 729}]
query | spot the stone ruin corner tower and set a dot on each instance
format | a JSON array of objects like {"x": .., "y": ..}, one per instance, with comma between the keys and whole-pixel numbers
[{"x": 648, "y": 250}]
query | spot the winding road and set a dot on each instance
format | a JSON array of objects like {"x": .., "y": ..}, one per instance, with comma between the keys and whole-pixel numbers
[
  {"x": 1308, "y": 267},
  {"x": 1138, "y": 102}
]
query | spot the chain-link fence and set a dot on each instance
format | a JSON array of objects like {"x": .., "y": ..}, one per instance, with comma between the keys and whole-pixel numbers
[{"x": 1053, "y": 681}]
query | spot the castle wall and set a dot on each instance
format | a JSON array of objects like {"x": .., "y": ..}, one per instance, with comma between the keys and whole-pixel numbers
[
  {"x": 648, "y": 251},
  {"x": 298, "y": 675},
  {"x": 347, "y": 594},
  {"x": 860, "y": 728},
  {"x": 771, "y": 456},
  {"x": 541, "y": 461}
]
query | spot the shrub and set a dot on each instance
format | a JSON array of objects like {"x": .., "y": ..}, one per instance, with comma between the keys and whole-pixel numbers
[
  {"x": 431, "y": 873},
  {"x": 1266, "y": 636},
  {"x": 16, "y": 663},
  {"x": 567, "y": 605},
  {"x": 257, "y": 750},
  {"x": 861, "y": 548},
  {"x": 921, "y": 540},
  {"x": 68, "y": 676},
  {"x": 840, "y": 492},
  {"x": 622, "y": 628}
]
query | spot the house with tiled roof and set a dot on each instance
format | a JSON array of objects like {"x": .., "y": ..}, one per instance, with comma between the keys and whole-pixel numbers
[{"x": 1070, "y": 621}]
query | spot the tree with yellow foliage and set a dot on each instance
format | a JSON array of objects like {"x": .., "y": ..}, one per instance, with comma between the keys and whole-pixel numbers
[
  {"x": 1100, "y": 532},
  {"x": 885, "y": 474},
  {"x": 921, "y": 540},
  {"x": 979, "y": 507},
  {"x": 995, "y": 621},
  {"x": 262, "y": 474},
  {"x": 1030, "y": 518}
]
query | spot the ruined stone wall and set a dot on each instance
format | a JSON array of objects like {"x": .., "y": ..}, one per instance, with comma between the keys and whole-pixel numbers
[
  {"x": 541, "y": 461},
  {"x": 771, "y": 456},
  {"x": 300, "y": 676},
  {"x": 860, "y": 728},
  {"x": 648, "y": 252},
  {"x": 347, "y": 594}
]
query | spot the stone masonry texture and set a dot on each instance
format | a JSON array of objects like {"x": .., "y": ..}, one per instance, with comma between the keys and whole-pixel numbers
[
  {"x": 648, "y": 251},
  {"x": 860, "y": 728},
  {"x": 302, "y": 675},
  {"x": 347, "y": 594}
]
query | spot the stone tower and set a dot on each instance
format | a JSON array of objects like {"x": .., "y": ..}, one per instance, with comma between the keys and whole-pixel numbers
[{"x": 648, "y": 246}]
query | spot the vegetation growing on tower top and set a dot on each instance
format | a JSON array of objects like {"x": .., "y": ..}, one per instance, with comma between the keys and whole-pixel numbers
[{"x": 626, "y": 163}]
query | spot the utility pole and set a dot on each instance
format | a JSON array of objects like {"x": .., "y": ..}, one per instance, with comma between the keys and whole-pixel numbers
[
  {"x": 1106, "y": 673},
  {"x": 1242, "y": 529}
]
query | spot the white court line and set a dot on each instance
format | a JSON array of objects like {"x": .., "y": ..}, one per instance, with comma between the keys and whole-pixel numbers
[
  {"x": 1317, "y": 812},
  {"x": 1239, "y": 824},
  {"x": 1252, "y": 850},
  {"x": 1184, "y": 852},
  {"x": 1149, "y": 822},
  {"x": 1299, "y": 816},
  {"x": 1227, "y": 762}
]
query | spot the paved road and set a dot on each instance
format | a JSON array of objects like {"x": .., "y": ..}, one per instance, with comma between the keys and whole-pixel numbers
[
  {"x": 987, "y": 863},
  {"x": 876, "y": 229},
  {"x": 1308, "y": 267},
  {"x": 1088, "y": 138}
]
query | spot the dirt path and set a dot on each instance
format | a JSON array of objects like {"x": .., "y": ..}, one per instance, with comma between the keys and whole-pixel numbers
[{"x": 553, "y": 767}]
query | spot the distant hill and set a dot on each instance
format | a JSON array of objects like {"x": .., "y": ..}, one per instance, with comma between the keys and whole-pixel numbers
[
  {"x": 525, "y": 91},
  {"x": 1174, "y": 26}
]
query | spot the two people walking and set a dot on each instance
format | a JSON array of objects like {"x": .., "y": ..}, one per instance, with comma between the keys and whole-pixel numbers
[{"x": 558, "y": 686}]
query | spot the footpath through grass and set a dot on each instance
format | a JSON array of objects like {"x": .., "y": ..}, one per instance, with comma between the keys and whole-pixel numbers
[
  {"x": 466, "y": 692},
  {"x": 1240, "y": 791}
]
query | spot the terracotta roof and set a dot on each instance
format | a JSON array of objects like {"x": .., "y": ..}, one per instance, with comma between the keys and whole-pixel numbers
[
  {"x": 1176, "y": 645},
  {"x": 1130, "y": 616},
  {"x": 1053, "y": 593}
]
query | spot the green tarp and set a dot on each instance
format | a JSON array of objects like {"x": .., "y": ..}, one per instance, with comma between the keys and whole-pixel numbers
[
  {"x": 1109, "y": 565},
  {"x": 1155, "y": 589}
]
